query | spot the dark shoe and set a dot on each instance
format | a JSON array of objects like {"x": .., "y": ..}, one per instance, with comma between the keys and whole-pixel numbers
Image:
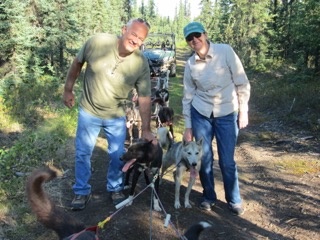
[
  {"x": 79, "y": 202},
  {"x": 117, "y": 197},
  {"x": 236, "y": 210},
  {"x": 206, "y": 206}
]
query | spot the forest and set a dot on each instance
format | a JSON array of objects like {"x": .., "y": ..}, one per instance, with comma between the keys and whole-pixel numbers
[{"x": 39, "y": 37}]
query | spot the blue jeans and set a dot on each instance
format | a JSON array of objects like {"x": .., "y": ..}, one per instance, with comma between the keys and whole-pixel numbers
[
  {"x": 88, "y": 129},
  {"x": 225, "y": 130}
]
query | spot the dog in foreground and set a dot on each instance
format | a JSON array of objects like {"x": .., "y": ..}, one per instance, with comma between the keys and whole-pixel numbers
[
  {"x": 145, "y": 157},
  {"x": 187, "y": 157},
  {"x": 49, "y": 214},
  {"x": 66, "y": 226}
]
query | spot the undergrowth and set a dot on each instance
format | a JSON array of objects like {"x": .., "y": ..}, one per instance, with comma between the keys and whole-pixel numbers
[{"x": 292, "y": 97}]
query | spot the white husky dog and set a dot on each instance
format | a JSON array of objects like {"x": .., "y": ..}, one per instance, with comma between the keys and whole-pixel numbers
[{"x": 187, "y": 157}]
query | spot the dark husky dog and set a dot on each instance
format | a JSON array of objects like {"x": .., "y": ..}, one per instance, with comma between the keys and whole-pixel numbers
[
  {"x": 146, "y": 157},
  {"x": 49, "y": 214},
  {"x": 165, "y": 119},
  {"x": 161, "y": 99}
]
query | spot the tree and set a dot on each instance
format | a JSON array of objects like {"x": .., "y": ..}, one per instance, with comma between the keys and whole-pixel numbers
[
  {"x": 23, "y": 39},
  {"x": 6, "y": 43},
  {"x": 244, "y": 25}
]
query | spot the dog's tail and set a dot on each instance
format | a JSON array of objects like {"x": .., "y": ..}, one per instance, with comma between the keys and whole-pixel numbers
[
  {"x": 46, "y": 211},
  {"x": 194, "y": 231}
]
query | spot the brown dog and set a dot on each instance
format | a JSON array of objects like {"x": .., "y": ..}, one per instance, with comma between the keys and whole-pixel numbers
[{"x": 49, "y": 214}]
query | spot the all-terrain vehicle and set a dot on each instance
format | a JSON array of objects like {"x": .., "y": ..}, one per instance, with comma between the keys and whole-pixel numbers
[{"x": 160, "y": 50}]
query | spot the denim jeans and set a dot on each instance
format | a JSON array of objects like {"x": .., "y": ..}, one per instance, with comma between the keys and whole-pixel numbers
[
  {"x": 225, "y": 130},
  {"x": 88, "y": 129}
]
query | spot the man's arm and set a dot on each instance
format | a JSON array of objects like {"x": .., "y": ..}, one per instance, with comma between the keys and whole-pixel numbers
[
  {"x": 145, "y": 113},
  {"x": 73, "y": 73}
]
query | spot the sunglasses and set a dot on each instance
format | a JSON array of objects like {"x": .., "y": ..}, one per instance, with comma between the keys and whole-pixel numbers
[
  {"x": 192, "y": 35},
  {"x": 140, "y": 20}
]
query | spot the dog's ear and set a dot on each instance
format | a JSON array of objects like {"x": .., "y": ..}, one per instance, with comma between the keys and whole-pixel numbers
[
  {"x": 199, "y": 142},
  {"x": 184, "y": 142}
]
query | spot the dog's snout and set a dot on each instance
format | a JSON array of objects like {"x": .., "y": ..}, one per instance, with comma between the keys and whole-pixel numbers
[
  {"x": 123, "y": 154},
  {"x": 194, "y": 164}
]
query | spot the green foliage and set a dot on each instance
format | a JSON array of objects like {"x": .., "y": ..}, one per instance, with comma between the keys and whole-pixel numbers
[
  {"x": 43, "y": 144},
  {"x": 42, "y": 37},
  {"x": 46, "y": 124},
  {"x": 293, "y": 96},
  {"x": 25, "y": 99}
]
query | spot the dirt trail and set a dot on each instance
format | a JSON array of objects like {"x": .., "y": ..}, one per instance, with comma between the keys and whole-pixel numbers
[{"x": 279, "y": 204}]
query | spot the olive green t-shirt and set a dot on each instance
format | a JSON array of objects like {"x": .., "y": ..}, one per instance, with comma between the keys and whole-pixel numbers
[{"x": 109, "y": 78}]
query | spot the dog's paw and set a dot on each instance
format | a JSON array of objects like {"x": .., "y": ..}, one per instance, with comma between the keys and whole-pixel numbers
[
  {"x": 187, "y": 205},
  {"x": 177, "y": 205}
]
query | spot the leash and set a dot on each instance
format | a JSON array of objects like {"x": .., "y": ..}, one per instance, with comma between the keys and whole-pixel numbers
[
  {"x": 168, "y": 218},
  {"x": 102, "y": 223},
  {"x": 151, "y": 202},
  {"x": 153, "y": 192}
]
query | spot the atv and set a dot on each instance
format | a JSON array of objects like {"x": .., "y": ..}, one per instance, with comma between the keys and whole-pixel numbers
[{"x": 160, "y": 50}]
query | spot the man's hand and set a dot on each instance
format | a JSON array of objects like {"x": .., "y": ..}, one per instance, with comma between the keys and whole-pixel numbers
[
  {"x": 188, "y": 136},
  {"x": 148, "y": 135},
  {"x": 68, "y": 99},
  {"x": 73, "y": 73}
]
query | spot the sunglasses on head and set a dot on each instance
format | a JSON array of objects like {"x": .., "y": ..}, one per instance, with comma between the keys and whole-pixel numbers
[
  {"x": 192, "y": 35},
  {"x": 141, "y": 20}
]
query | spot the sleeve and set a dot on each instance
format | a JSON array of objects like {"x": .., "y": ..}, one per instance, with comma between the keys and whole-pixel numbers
[
  {"x": 143, "y": 84},
  {"x": 240, "y": 79},
  {"x": 84, "y": 49},
  {"x": 189, "y": 89}
]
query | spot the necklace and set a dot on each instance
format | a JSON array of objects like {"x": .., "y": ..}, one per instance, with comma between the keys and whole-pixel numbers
[{"x": 118, "y": 60}]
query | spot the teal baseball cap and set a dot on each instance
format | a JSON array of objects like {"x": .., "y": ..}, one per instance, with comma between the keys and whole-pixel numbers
[{"x": 193, "y": 27}]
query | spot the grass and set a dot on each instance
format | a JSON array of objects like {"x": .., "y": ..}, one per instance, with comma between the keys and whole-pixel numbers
[{"x": 298, "y": 166}]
